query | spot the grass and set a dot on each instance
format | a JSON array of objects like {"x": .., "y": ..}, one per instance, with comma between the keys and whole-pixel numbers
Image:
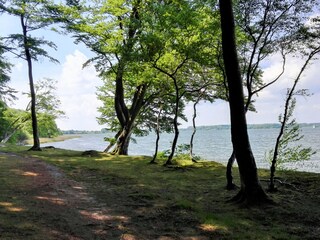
[{"x": 191, "y": 194}]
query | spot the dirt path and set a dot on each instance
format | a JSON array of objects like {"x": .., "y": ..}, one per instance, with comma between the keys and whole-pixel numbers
[
  {"x": 43, "y": 203},
  {"x": 60, "y": 207}
]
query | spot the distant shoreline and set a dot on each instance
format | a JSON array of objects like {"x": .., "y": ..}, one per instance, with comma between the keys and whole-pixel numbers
[
  {"x": 60, "y": 138},
  {"x": 218, "y": 126}
]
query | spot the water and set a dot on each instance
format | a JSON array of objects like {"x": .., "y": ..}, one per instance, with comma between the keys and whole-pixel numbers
[{"x": 211, "y": 143}]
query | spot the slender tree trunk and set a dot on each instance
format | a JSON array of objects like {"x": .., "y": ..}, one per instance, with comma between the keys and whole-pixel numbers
[
  {"x": 36, "y": 141},
  {"x": 285, "y": 117},
  {"x": 251, "y": 191},
  {"x": 230, "y": 184},
  {"x": 175, "y": 124},
  {"x": 194, "y": 127},
  {"x": 158, "y": 137}
]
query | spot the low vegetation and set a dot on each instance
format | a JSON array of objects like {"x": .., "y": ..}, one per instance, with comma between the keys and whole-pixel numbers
[{"x": 185, "y": 201}]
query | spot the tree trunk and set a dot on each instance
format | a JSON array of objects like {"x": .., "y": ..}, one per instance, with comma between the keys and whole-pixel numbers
[
  {"x": 175, "y": 123},
  {"x": 194, "y": 128},
  {"x": 123, "y": 141},
  {"x": 251, "y": 191},
  {"x": 36, "y": 141},
  {"x": 230, "y": 184},
  {"x": 158, "y": 137},
  {"x": 127, "y": 116},
  {"x": 112, "y": 143},
  {"x": 285, "y": 118}
]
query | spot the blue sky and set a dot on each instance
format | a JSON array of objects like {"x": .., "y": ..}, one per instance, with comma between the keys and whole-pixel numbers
[{"x": 77, "y": 86}]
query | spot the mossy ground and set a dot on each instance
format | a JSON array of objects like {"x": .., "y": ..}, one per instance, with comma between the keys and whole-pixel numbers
[{"x": 128, "y": 198}]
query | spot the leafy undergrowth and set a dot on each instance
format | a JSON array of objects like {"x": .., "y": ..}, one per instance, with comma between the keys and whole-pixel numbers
[{"x": 187, "y": 201}]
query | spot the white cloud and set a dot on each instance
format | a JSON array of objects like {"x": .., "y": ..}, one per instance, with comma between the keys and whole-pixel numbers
[
  {"x": 76, "y": 89},
  {"x": 270, "y": 102}
]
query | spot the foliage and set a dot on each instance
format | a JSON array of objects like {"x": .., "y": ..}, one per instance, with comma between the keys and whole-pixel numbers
[
  {"x": 13, "y": 121},
  {"x": 19, "y": 137},
  {"x": 47, "y": 101},
  {"x": 289, "y": 149},
  {"x": 266, "y": 29},
  {"x": 181, "y": 153},
  {"x": 46, "y": 125},
  {"x": 310, "y": 50},
  {"x": 5, "y": 69},
  {"x": 32, "y": 16}
]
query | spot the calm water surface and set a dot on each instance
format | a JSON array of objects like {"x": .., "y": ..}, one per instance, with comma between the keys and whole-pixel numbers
[{"x": 211, "y": 143}]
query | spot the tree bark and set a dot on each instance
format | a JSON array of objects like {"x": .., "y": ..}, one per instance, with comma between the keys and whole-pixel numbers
[
  {"x": 230, "y": 183},
  {"x": 251, "y": 191},
  {"x": 290, "y": 95},
  {"x": 175, "y": 123},
  {"x": 123, "y": 141},
  {"x": 112, "y": 143},
  {"x": 194, "y": 127},
  {"x": 158, "y": 137},
  {"x": 36, "y": 141},
  {"x": 127, "y": 117}
]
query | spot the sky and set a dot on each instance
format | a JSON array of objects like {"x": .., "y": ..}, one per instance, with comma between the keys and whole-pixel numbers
[{"x": 76, "y": 87}]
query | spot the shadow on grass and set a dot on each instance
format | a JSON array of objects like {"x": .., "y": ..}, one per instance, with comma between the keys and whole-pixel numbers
[{"x": 127, "y": 197}]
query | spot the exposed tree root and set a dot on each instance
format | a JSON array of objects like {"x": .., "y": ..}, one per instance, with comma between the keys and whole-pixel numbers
[
  {"x": 231, "y": 186},
  {"x": 251, "y": 199},
  {"x": 35, "y": 148}
]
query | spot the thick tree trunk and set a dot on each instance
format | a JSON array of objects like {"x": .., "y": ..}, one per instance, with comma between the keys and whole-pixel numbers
[
  {"x": 126, "y": 116},
  {"x": 123, "y": 141},
  {"x": 36, "y": 141},
  {"x": 112, "y": 143},
  {"x": 251, "y": 191}
]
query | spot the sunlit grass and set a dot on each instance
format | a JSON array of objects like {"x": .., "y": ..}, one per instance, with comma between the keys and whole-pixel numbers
[{"x": 198, "y": 189}]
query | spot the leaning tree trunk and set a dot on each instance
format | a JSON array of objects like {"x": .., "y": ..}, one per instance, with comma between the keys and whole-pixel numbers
[
  {"x": 251, "y": 191},
  {"x": 231, "y": 160},
  {"x": 123, "y": 141},
  {"x": 175, "y": 124},
  {"x": 36, "y": 141},
  {"x": 158, "y": 137},
  {"x": 127, "y": 117},
  {"x": 194, "y": 127},
  {"x": 285, "y": 118},
  {"x": 112, "y": 142}
]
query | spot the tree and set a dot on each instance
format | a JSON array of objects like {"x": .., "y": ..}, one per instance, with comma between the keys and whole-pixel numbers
[
  {"x": 111, "y": 29},
  {"x": 6, "y": 93},
  {"x": 188, "y": 45},
  {"x": 127, "y": 36},
  {"x": 265, "y": 28},
  {"x": 47, "y": 107},
  {"x": 289, "y": 130},
  {"x": 12, "y": 122},
  {"x": 251, "y": 191},
  {"x": 31, "y": 16}
]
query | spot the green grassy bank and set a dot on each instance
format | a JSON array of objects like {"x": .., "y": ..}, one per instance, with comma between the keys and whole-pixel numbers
[{"x": 178, "y": 202}]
